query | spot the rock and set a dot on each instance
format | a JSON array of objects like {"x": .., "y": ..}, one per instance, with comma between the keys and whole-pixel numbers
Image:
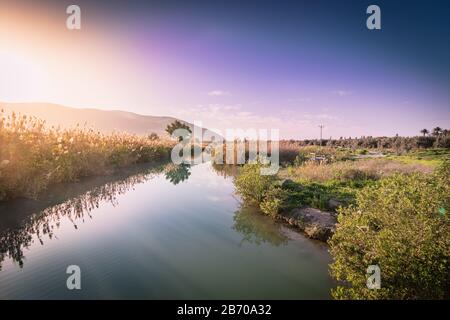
[
  {"x": 316, "y": 224},
  {"x": 333, "y": 204}
]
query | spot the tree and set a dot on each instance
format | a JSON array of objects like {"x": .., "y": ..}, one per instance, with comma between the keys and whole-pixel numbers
[
  {"x": 424, "y": 132},
  {"x": 153, "y": 136},
  {"x": 170, "y": 129},
  {"x": 437, "y": 131}
]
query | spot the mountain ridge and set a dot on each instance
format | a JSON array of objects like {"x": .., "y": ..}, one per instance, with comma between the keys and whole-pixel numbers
[{"x": 106, "y": 121}]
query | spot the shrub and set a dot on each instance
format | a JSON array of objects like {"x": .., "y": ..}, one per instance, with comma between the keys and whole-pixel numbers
[
  {"x": 362, "y": 151},
  {"x": 401, "y": 224},
  {"x": 300, "y": 159},
  {"x": 274, "y": 201},
  {"x": 251, "y": 184}
]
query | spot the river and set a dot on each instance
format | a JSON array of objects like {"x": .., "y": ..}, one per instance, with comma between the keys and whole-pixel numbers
[{"x": 152, "y": 232}]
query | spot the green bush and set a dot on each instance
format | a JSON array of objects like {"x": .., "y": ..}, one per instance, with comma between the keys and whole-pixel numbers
[
  {"x": 251, "y": 185},
  {"x": 401, "y": 224},
  {"x": 362, "y": 151},
  {"x": 274, "y": 201},
  {"x": 300, "y": 159}
]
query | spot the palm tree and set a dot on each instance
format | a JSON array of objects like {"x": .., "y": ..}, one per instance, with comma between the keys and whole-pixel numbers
[
  {"x": 424, "y": 132},
  {"x": 437, "y": 131}
]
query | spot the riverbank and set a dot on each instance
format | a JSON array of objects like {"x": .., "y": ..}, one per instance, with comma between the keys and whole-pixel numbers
[
  {"x": 310, "y": 194},
  {"x": 366, "y": 210},
  {"x": 314, "y": 223}
]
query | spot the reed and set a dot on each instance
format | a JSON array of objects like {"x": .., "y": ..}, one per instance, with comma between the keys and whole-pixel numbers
[{"x": 33, "y": 156}]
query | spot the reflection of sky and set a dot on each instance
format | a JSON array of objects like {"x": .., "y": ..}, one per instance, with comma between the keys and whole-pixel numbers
[
  {"x": 169, "y": 241},
  {"x": 286, "y": 65}
]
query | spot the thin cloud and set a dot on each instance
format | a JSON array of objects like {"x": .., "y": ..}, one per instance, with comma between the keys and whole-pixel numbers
[
  {"x": 218, "y": 93},
  {"x": 219, "y": 118},
  {"x": 299, "y": 100},
  {"x": 342, "y": 93}
]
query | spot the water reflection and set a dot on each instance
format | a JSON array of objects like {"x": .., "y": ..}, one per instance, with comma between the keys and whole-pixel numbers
[
  {"x": 225, "y": 170},
  {"x": 258, "y": 228},
  {"x": 22, "y": 219},
  {"x": 249, "y": 221},
  {"x": 160, "y": 242},
  {"x": 178, "y": 173},
  {"x": 25, "y": 221}
]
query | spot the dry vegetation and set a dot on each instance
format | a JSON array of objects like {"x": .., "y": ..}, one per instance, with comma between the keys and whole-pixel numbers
[
  {"x": 373, "y": 169},
  {"x": 33, "y": 156}
]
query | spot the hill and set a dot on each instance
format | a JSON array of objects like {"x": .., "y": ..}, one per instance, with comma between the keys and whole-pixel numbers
[{"x": 105, "y": 121}]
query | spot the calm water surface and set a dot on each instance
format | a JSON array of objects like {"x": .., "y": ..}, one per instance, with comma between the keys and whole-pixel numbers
[{"x": 155, "y": 233}]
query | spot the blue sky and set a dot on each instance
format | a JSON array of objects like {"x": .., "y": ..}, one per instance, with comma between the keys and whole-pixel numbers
[{"x": 246, "y": 64}]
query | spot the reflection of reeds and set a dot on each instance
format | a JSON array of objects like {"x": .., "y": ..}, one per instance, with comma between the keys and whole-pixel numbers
[
  {"x": 225, "y": 170},
  {"x": 43, "y": 223},
  {"x": 33, "y": 156}
]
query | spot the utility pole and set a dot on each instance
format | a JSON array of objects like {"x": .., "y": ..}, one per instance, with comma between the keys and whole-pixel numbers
[{"x": 321, "y": 127}]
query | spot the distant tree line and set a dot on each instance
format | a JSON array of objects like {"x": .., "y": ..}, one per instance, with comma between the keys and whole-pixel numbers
[{"x": 438, "y": 138}]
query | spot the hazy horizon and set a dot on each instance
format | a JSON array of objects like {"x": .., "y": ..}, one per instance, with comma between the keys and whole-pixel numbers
[
  {"x": 229, "y": 65},
  {"x": 159, "y": 131}
]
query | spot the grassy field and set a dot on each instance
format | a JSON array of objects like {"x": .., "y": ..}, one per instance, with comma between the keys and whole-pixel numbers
[
  {"x": 327, "y": 178},
  {"x": 33, "y": 156},
  {"x": 339, "y": 174},
  {"x": 429, "y": 157}
]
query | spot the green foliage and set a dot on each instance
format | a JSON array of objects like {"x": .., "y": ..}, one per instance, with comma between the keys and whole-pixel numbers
[
  {"x": 251, "y": 184},
  {"x": 400, "y": 223},
  {"x": 274, "y": 201},
  {"x": 362, "y": 151},
  {"x": 430, "y": 157},
  {"x": 300, "y": 159},
  {"x": 318, "y": 195}
]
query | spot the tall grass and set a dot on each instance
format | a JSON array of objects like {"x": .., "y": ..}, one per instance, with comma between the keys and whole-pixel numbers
[
  {"x": 33, "y": 156},
  {"x": 369, "y": 169},
  {"x": 288, "y": 151}
]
